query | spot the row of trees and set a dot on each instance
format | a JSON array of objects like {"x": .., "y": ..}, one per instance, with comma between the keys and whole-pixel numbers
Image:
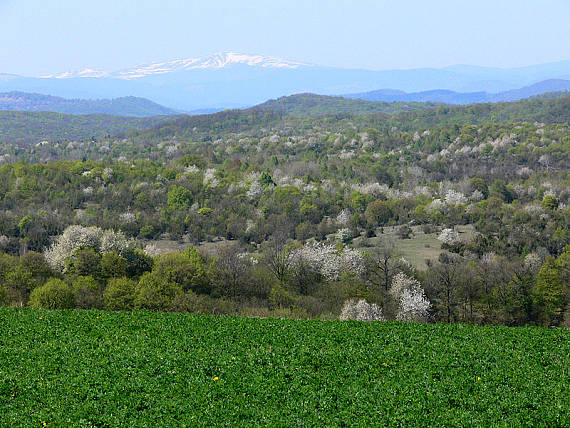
[{"x": 91, "y": 268}]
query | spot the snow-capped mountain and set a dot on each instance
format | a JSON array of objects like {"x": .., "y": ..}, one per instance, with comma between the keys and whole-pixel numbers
[
  {"x": 216, "y": 61},
  {"x": 88, "y": 72}
]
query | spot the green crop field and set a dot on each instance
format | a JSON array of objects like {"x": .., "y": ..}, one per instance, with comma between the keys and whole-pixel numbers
[{"x": 93, "y": 368}]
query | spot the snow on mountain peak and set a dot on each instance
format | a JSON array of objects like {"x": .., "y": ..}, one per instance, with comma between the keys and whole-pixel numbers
[
  {"x": 88, "y": 72},
  {"x": 216, "y": 61}
]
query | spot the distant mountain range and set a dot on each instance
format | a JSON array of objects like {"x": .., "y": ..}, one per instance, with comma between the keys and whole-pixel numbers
[
  {"x": 125, "y": 106},
  {"x": 452, "y": 97},
  {"x": 233, "y": 80}
]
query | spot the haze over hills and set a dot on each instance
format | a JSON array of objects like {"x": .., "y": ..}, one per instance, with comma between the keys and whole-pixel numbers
[
  {"x": 452, "y": 97},
  {"x": 124, "y": 106},
  {"x": 233, "y": 80}
]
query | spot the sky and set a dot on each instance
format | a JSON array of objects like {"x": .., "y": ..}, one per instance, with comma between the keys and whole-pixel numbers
[{"x": 39, "y": 37}]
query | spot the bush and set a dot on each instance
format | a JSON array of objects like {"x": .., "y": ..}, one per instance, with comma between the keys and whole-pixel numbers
[
  {"x": 187, "y": 269},
  {"x": 202, "y": 304},
  {"x": 155, "y": 293},
  {"x": 360, "y": 310},
  {"x": 87, "y": 293},
  {"x": 113, "y": 265},
  {"x": 405, "y": 232},
  {"x": 55, "y": 294},
  {"x": 119, "y": 294}
]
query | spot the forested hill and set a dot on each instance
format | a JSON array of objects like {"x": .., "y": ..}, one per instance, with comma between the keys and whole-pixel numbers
[
  {"x": 322, "y": 105},
  {"x": 299, "y": 110},
  {"x": 555, "y": 110},
  {"x": 124, "y": 106},
  {"x": 278, "y": 114},
  {"x": 32, "y": 127}
]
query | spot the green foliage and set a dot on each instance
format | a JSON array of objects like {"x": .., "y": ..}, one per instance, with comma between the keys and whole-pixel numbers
[
  {"x": 187, "y": 269},
  {"x": 119, "y": 294},
  {"x": 179, "y": 198},
  {"x": 154, "y": 369},
  {"x": 378, "y": 213},
  {"x": 85, "y": 261},
  {"x": 153, "y": 292},
  {"x": 552, "y": 289},
  {"x": 549, "y": 203},
  {"x": 113, "y": 265},
  {"x": 85, "y": 283},
  {"x": 55, "y": 294},
  {"x": 22, "y": 127},
  {"x": 87, "y": 293}
]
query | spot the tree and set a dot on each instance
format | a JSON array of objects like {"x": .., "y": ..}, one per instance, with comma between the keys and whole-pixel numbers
[
  {"x": 179, "y": 198},
  {"x": 87, "y": 292},
  {"x": 55, "y": 294},
  {"x": 410, "y": 298},
  {"x": 378, "y": 213},
  {"x": 76, "y": 237},
  {"x": 119, "y": 294},
  {"x": 549, "y": 203},
  {"x": 443, "y": 281},
  {"x": 231, "y": 272},
  {"x": 276, "y": 256},
  {"x": 382, "y": 269},
  {"x": 501, "y": 191},
  {"x": 550, "y": 291},
  {"x": 187, "y": 269},
  {"x": 480, "y": 185},
  {"x": 112, "y": 265},
  {"x": 85, "y": 261},
  {"x": 155, "y": 293},
  {"x": 360, "y": 310}
]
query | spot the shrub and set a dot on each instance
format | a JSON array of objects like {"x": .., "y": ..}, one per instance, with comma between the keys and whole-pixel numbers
[
  {"x": 187, "y": 269},
  {"x": 119, "y": 294},
  {"x": 113, "y": 265},
  {"x": 405, "y": 232},
  {"x": 87, "y": 293},
  {"x": 155, "y": 293},
  {"x": 55, "y": 294},
  {"x": 360, "y": 310}
]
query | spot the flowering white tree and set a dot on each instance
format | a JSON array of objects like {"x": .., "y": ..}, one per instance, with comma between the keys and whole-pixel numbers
[
  {"x": 360, "y": 310},
  {"x": 210, "y": 178},
  {"x": 453, "y": 197},
  {"x": 413, "y": 305},
  {"x": 328, "y": 260},
  {"x": 343, "y": 218},
  {"x": 448, "y": 236},
  {"x": 255, "y": 190},
  {"x": 436, "y": 205},
  {"x": 344, "y": 235},
  {"x": 76, "y": 237}
]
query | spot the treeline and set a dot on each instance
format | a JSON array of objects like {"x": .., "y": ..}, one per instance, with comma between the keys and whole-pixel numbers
[{"x": 90, "y": 268}]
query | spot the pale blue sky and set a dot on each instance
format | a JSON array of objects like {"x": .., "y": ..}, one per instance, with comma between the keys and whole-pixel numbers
[{"x": 39, "y": 36}]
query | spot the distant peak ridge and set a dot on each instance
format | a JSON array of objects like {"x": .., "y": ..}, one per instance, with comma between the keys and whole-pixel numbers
[{"x": 215, "y": 61}]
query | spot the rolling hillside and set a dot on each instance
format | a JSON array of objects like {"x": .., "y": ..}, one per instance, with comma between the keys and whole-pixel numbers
[
  {"x": 34, "y": 127},
  {"x": 125, "y": 106}
]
